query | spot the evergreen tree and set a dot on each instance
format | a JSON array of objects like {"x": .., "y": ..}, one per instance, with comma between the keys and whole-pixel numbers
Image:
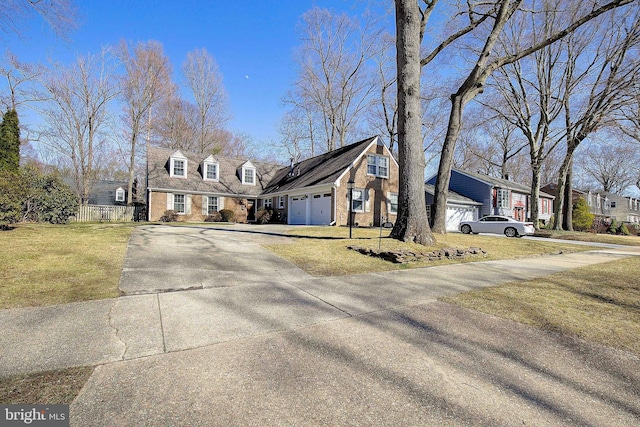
[
  {"x": 582, "y": 216},
  {"x": 10, "y": 141}
]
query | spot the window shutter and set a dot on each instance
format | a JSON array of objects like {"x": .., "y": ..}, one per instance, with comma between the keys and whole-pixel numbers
[
  {"x": 169, "y": 201},
  {"x": 187, "y": 209},
  {"x": 367, "y": 204},
  {"x": 205, "y": 203},
  {"x": 220, "y": 203}
]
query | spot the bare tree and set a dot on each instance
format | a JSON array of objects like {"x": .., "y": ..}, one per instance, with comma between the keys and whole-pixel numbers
[
  {"x": 174, "y": 124},
  {"x": 610, "y": 164},
  {"x": 205, "y": 81},
  {"x": 18, "y": 74},
  {"x": 489, "y": 59},
  {"x": 76, "y": 109},
  {"x": 601, "y": 82},
  {"x": 59, "y": 14},
  {"x": 147, "y": 79},
  {"x": 333, "y": 84}
]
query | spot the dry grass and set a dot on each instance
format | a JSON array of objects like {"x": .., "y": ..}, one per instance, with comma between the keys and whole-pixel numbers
[
  {"x": 599, "y": 303},
  {"x": 47, "y": 264},
  {"x": 591, "y": 237},
  {"x": 47, "y": 388},
  {"x": 322, "y": 251}
]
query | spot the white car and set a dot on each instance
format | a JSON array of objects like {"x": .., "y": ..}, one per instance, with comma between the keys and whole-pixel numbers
[{"x": 498, "y": 225}]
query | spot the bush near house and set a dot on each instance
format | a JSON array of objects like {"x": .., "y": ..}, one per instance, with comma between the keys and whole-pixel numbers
[
  {"x": 227, "y": 215},
  {"x": 213, "y": 217},
  {"x": 582, "y": 217},
  {"x": 263, "y": 215},
  {"x": 169, "y": 216}
]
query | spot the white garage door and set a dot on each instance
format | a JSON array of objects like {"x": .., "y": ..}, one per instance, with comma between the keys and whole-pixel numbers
[
  {"x": 321, "y": 209},
  {"x": 298, "y": 210},
  {"x": 456, "y": 214}
]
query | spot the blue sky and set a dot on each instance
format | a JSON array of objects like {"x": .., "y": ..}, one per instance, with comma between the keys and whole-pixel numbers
[{"x": 252, "y": 42}]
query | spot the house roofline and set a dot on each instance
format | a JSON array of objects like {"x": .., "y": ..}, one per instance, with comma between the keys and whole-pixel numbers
[{"x": 375, "y": 140}]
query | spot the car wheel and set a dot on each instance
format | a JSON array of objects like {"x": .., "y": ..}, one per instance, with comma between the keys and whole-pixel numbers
[
  {"x": 510, "y": 232},
  {"x": 466, "y": 229}
]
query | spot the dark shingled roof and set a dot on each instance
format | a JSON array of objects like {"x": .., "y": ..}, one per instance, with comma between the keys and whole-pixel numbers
[
  {"x": 452, "y": 196},
  {"x": 323, "y": 169},
  {"x": 230, "y": 183},
  {"x": 502, "y": 183}
]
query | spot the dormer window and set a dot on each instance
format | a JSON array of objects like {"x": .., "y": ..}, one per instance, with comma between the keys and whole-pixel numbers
[
  {"x": 120, "y": 194},
  {"x": 178, "y": 165},
  {"x": 248, "y": 174},
  {"x": 211, "y": 169}
]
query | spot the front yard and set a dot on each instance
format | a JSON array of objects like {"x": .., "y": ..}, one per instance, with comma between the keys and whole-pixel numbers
[{"x": 43, "y": 265}]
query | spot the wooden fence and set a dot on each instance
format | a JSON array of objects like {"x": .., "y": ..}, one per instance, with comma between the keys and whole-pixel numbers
[{"x": 98, "y": 213}]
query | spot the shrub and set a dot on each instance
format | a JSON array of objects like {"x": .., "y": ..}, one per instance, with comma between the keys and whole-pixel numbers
[
  {"x": 634, "y": 229},
  {"x": 263, "y": 216},
  {"x": 227, "y": 215},
  {"x": 623, "y": 230},
  {"x": 613, "y": 227},
  {"x": 582, "y": 216},
  {"x": 213, "y": 217},
  {"x": 11, "y": 194},
  {"x": 169, "y": 216}
]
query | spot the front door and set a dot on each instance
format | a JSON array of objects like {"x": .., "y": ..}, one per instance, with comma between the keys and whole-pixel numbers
[{"x": 251, "y": 211}]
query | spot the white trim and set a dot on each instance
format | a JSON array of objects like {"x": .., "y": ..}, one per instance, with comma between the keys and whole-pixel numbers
[
  {"x": 181, "y": 157},
  {"x": 120, "y": 191}
]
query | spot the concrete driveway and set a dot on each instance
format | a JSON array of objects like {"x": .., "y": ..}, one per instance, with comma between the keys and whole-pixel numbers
[{"x": 215, "y": 330}]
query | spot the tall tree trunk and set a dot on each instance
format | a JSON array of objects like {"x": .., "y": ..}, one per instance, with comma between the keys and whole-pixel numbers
[
  {"x": 567, "y": 215},
  {"x": 446, "y": 162},
  {"x": 535, "y": 196},
  {"x": 412, "y": 223}
]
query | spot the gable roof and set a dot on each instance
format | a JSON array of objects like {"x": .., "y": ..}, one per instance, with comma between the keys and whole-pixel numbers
[
  {"x": 229, "y": 181},
  {"x": 452, "y": 196},
  {"x": 501, "y": 183},
  {"x": 322, "y": 169}
]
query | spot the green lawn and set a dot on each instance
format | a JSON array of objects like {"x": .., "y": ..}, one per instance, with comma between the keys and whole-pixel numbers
[{"x": 55, "y": 264}]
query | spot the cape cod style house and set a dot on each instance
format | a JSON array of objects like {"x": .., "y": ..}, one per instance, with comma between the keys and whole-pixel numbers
[{"x": 313, "y": 191}]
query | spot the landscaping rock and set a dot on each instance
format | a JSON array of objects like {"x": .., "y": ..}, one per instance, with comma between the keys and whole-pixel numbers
[{"x": 403, "y": 257}]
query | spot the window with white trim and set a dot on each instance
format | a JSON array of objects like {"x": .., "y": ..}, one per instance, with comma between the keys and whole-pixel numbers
[
  {"x": 281, "y": 202},
  {"x": 393, "y": 203},
  {"x": 248, "y": 176},
  {"x": 178, "y": 165},
  {"x": 179, "y": 203},
  {"x": 378, "y": 165},
  {"x": 357, "y": 200},
  {"x": 211, "y": 171},
  {"x": 267, "y": 203},
  {"x": 120, "y": 195},
  {"x": 502, "y": 197},
  {"x": 212, "y": 204}
]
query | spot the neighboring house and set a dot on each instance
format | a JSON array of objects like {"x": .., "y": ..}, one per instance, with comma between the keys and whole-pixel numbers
[
  {"x": 313, "y": 191},
  {"x": 459, "y": 207},
  {"x": 604, "y": 205},
  {"x": 498, "y": 196},
  {"x": 107, "y": 201},
  {"x": 611, "y": 206},
  {"x": 552, "y": 188}
]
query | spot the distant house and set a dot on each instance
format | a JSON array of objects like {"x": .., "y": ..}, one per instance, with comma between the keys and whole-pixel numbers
[
  {"x": 107, "y": 201},
  {"x": 459, "y": 207},
  {"x": 604, "y": 205},
  {"x": 313, "y": 191},
  {"x": 498, "y": 196}
]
